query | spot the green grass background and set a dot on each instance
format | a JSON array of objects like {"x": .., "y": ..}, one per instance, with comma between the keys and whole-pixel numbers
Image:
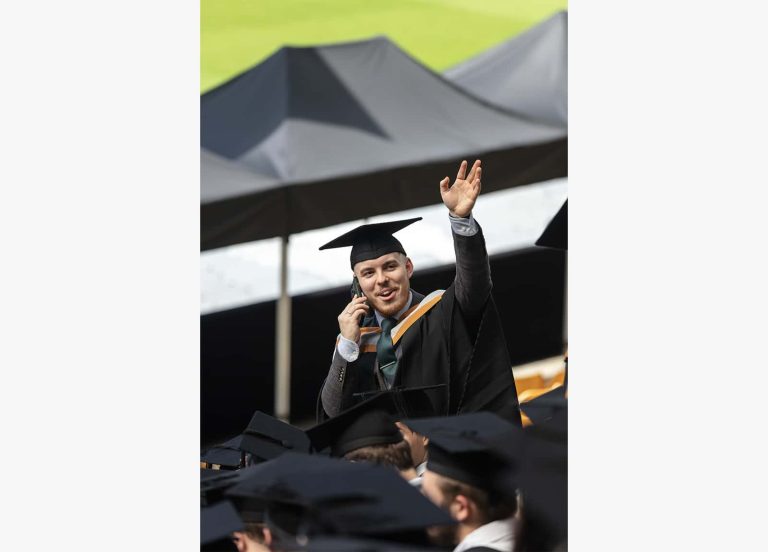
[{"x": 237, "y": 34}]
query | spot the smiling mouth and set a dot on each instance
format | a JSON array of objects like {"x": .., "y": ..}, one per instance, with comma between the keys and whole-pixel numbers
[{"x": 387, "y": 294}]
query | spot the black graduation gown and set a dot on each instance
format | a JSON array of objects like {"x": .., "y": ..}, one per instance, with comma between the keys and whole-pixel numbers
[
  {"x": 445, "y": 347},
  {"x": 471, "y": 356}
]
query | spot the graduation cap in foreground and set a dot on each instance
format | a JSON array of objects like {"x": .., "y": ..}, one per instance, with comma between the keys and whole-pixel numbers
[
  {"x": 555, "y": 235},
  {"x": 218, "y": 522},
  {"x": 266, "y": 437},
  {"x": 371, "y": 241},
  {"x": 549, "y": 410},
  {"x": 331, "y": 496},
  {"x": 372, "y": 422},
  {"x": 355, "y": 544},
  {"x": 543, "y": 480},
  {"x": 480, "y": 449},
  {"x": 254, "y": 480},
  {"x": 213, "y": 483},
  {"x": 229, "y": 455}
]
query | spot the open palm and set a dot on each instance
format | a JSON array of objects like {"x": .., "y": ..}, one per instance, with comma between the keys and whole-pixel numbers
[{"x": 461, "y": 196}]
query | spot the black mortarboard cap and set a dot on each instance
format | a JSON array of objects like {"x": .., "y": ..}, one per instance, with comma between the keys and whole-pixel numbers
[
  {"x": 347, "y": 432},
  {"x": 217, "y": 522},
  {"x": 213, "y": 483},
  {"x": 372, "y": 422},
  {"x": 543, "y": 480},
  {"x": 371, "y": 241},
  {"x": 549, "y": 410},
  {"x": 228, "y": 455},
  {"x": 254, "y": 480},
  {"x": 341, "y": 543},
  {"x": 365, "y": 499},
  {"x": 336, "y": 495},
  {"x": 267, "y": 437},
  {"x": 472, "y": 448},
  {"x": 555, "y": 235}
]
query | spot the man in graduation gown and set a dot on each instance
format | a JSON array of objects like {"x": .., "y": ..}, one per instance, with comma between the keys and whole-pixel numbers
[{"x": 394, "y": 337}]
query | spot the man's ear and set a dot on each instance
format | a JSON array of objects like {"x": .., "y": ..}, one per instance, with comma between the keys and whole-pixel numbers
[
  {"x": 267, "y": 536},
  {"x": 238, "y": 537},
  {"x": 460, "y": 508},
  {"x": 409, "y": 266}
]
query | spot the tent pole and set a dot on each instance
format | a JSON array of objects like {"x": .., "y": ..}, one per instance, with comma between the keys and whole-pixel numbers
[{"x": 283, "y": 340}]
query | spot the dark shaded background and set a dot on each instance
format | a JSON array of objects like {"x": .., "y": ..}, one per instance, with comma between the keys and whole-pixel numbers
[{"x": 238, "y": 345}]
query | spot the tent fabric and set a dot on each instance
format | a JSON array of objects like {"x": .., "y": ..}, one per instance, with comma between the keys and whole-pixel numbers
[
  {"x": 233, "y": 196},
  {"x": 341, "y": 132},
  {"x": 526, "y": 74}
]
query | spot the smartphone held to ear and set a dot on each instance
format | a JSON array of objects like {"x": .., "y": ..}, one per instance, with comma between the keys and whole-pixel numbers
[{"x": 357, "y": 291}]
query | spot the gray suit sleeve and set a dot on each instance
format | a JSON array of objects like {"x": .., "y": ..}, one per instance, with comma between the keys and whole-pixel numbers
[
  {"x": 473, "y": 271},
  {"x": 331, "y": 393}
]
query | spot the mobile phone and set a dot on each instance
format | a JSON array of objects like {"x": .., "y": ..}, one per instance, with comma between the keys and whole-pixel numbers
[{"x": 357, "y": 291}]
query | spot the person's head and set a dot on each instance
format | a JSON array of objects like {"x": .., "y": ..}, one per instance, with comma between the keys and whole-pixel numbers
[
  {"x": 418, "y": 443},
  {"x": 256, "y": 537},
  {"x": 397, "y": 455},
  {"x": 379, "y": 262},
  {"x": 385, "y": 281},
  {"x": 471, "y": 470},
  {"x": 470, "y": 506}
]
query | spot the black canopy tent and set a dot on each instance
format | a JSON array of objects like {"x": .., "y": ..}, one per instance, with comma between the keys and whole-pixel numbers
[
  {"x": 223, "y": 179},
  {"x": 328, "y": 122},
  {"x": 526, "y": 74},
  {"x": 343, "y": 132}
]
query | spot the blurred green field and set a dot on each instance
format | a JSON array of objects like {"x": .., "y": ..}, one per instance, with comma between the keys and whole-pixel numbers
[{"x": 237, "y": 34}]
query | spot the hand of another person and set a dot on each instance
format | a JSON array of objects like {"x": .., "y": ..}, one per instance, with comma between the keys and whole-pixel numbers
[
  {"x": 348, "y": 319},
  {"x": 461, "y": 197}
]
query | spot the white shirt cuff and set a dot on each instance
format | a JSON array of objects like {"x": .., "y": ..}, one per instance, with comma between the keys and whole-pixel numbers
[
  {"x": 463, "y": 226},
  {"x": 349, "y": 350}
]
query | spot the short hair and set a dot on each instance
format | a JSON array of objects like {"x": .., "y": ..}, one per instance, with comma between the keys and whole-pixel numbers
[
  {"x": 491, "y": 505},
  {"x": 393, "y": 454},
  {"x": 254, "y": 530}
]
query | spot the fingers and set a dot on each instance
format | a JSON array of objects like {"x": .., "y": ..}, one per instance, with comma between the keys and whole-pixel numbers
[
  {"x": 357, "y": 311},
  {"x": 462, "y": 171},
  {"x": 354, "y": 303},
  {"x": 475, "y": 169},
  {"x": 445, "y": 184},
  {"x": 476, "y": 184}
]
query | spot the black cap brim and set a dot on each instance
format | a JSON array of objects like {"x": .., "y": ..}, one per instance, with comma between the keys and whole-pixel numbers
[
  {"x": 371, "y": 422},
  {"x": 218, "y": 522},
  {"x": 371, "y": 241}
]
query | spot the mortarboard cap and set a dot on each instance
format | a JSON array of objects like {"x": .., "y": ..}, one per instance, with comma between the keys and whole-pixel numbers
[
  {"x": 254, "y": 480},
  {"x": 476, "y": 449},
  {"x": 371, "y": 241},
  {"x": 354, "y": 544},
  {"x": 372, "y": 422},
  {"x": 549, "y": 411},
  {"x": 330, "y": 495},
  {"x": 217, "y": 522},
  {"x": 267, "y": 437},
  {"x": 365, "y": 499},
  {"x": 543, "y": 480},
  {"x": 555, "y": 235},
  {"x": 228, "y": 455},
  {"x": 213, "y": 483}
]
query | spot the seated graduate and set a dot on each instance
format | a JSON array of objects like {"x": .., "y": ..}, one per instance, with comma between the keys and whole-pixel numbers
[
  {"x": 370, "y": 432},
  {"x": 391, "y": 336},
  {"x": 472, "y": 480}
]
